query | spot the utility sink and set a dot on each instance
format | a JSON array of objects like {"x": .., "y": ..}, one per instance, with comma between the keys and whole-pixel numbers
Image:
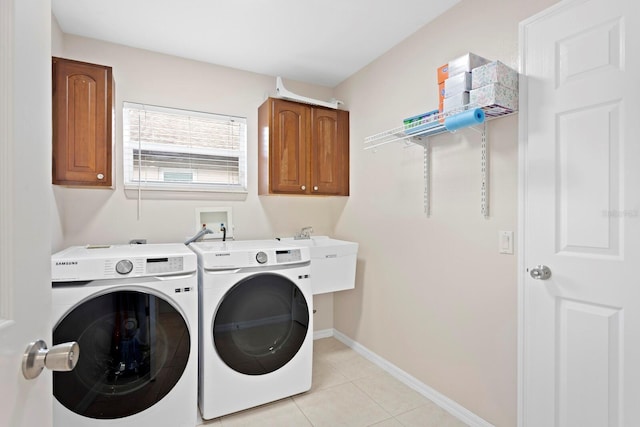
[{"x": 333, "y": 262}]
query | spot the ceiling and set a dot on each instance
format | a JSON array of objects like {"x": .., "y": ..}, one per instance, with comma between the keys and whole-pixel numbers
[{"x": 320, "y": 42}]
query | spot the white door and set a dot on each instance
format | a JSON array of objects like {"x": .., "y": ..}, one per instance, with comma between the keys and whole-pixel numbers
[
  {"x": 580, "y": 128},
  {"x": 25, "y": 199}
]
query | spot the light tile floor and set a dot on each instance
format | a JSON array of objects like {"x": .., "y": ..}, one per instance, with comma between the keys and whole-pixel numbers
[{"x": 347, "y": 391}]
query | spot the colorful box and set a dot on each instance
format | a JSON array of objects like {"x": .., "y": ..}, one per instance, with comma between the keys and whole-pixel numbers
[
  {"x": 443, "y": 73},
  {"x": 464, "y": 63},
  {"x": 455, "y": 102},
  {"x": 456, "y": 84},
  {"x": 494, "y": 72},
  {"x": 420, "y": 122},
  {"x": 440, "y": 96},
  {"x": 495, "y": 99}
]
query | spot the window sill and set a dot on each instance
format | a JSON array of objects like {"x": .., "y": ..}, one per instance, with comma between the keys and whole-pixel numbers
[{"x": 184, "y": 194}]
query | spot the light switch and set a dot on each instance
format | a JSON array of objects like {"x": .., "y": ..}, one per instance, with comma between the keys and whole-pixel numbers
[{"x": 505, "y": 242}]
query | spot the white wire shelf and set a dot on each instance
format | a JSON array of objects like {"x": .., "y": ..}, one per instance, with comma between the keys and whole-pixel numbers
[
  {"x": 418, "y": 133},
  {"x": 429, "y": 126}
]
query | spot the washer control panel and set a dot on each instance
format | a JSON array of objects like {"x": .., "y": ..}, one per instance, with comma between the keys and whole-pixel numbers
[
  {"x": 124, "y": 266},
  {"x": 288, "y": 256},
  {"x": 261, "y": 257},
  {"x": 165, "y": 265},
  {"x": 137, "y": 267},
  {"x": 87, "y": 263}
]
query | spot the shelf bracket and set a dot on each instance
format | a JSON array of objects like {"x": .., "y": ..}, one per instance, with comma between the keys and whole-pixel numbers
[
  {"x": 426, "y": 160},
  {"x": 427, "y": 178},
  {"x": 484, "y": 169}
]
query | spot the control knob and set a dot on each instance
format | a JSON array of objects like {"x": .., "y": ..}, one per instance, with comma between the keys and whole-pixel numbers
[
  {"x": 124, "y": 266},
  {"x": 261, "y": 257}
]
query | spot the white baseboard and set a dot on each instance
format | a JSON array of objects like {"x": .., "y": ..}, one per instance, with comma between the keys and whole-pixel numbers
[
  {"x": 324, "y": 333},
  {"x": 454, "y": 408}
]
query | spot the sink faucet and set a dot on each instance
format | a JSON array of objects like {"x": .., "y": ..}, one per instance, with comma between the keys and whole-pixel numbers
[{"x": 305, "y": 233}]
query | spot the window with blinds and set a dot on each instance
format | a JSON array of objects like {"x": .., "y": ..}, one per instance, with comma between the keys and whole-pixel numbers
[{"x": 181, "y": 150}]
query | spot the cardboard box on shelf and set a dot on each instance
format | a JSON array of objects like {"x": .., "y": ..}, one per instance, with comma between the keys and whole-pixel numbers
[
  {"x": 440, "y": 96},
  {"x": 466, "y": 63},
  {"x": 456, "y": 84},
  {"x": 456, "y": 101},
  {"x": 495, "y": 99},
  {"x": 494, "y": 72},
  {"x": 443, "y": 73}
]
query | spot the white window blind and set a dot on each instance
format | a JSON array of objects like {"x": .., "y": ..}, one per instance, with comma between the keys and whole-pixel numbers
[{"x": 180, "y": 150}]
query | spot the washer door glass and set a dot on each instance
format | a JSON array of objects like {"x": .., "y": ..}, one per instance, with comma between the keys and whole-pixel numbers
[
  {"x": 134, "y": 348},
  {"x": 261, "y": 324}
]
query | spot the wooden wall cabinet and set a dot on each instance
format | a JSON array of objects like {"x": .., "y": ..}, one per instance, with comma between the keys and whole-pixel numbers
[
  {"x": 83, "y": 113},
  {"x": 303, "y": 149}
]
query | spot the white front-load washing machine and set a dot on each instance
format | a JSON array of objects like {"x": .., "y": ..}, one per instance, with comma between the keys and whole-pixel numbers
[
  {"x": 256, "y": 324},
  {"x": 133, "y": 309}
]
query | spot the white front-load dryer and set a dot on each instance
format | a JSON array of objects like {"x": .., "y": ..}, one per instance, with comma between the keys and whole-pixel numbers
[
  {"x": 133, "y": 309},
  {"x": 256, "y": 324}
]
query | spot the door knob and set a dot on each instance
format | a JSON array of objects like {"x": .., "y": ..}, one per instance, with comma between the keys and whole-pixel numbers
[
  {"x": 540, "y": 272},
  {"x": 61, "y": 357}
]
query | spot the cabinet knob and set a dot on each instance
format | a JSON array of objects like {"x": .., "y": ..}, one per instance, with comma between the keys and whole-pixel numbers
[
  {"x": 304, "y": 187},
  {"x": 100, "y": 176},
  {"x": 315, "y": 188}
]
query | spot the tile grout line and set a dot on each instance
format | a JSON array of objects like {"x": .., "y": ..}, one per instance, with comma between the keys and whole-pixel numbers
[{"x": 301, "y": 411}]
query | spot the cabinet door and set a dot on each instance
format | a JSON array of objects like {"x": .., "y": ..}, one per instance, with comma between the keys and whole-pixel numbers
[
  {"x": 329, "y": 152},
  {"x": 82, "y": 122},
  {"x": 288, "y": 153}
]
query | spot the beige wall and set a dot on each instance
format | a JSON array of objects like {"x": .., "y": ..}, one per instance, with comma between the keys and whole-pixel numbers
[
  {"x": 433, "y": 295},
  {"x": 107, "y": 216}
]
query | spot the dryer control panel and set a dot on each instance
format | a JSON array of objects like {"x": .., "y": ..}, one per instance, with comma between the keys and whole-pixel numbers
[{"x": 248, "y": 254}]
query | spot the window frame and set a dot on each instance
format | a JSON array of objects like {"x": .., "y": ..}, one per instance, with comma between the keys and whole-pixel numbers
[{"x": 181, "y": 190}]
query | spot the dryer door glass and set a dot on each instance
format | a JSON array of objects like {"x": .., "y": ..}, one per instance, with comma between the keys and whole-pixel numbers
[
  {"x": 261, "y": 324},
  {"x": 134, "y": 348}
]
